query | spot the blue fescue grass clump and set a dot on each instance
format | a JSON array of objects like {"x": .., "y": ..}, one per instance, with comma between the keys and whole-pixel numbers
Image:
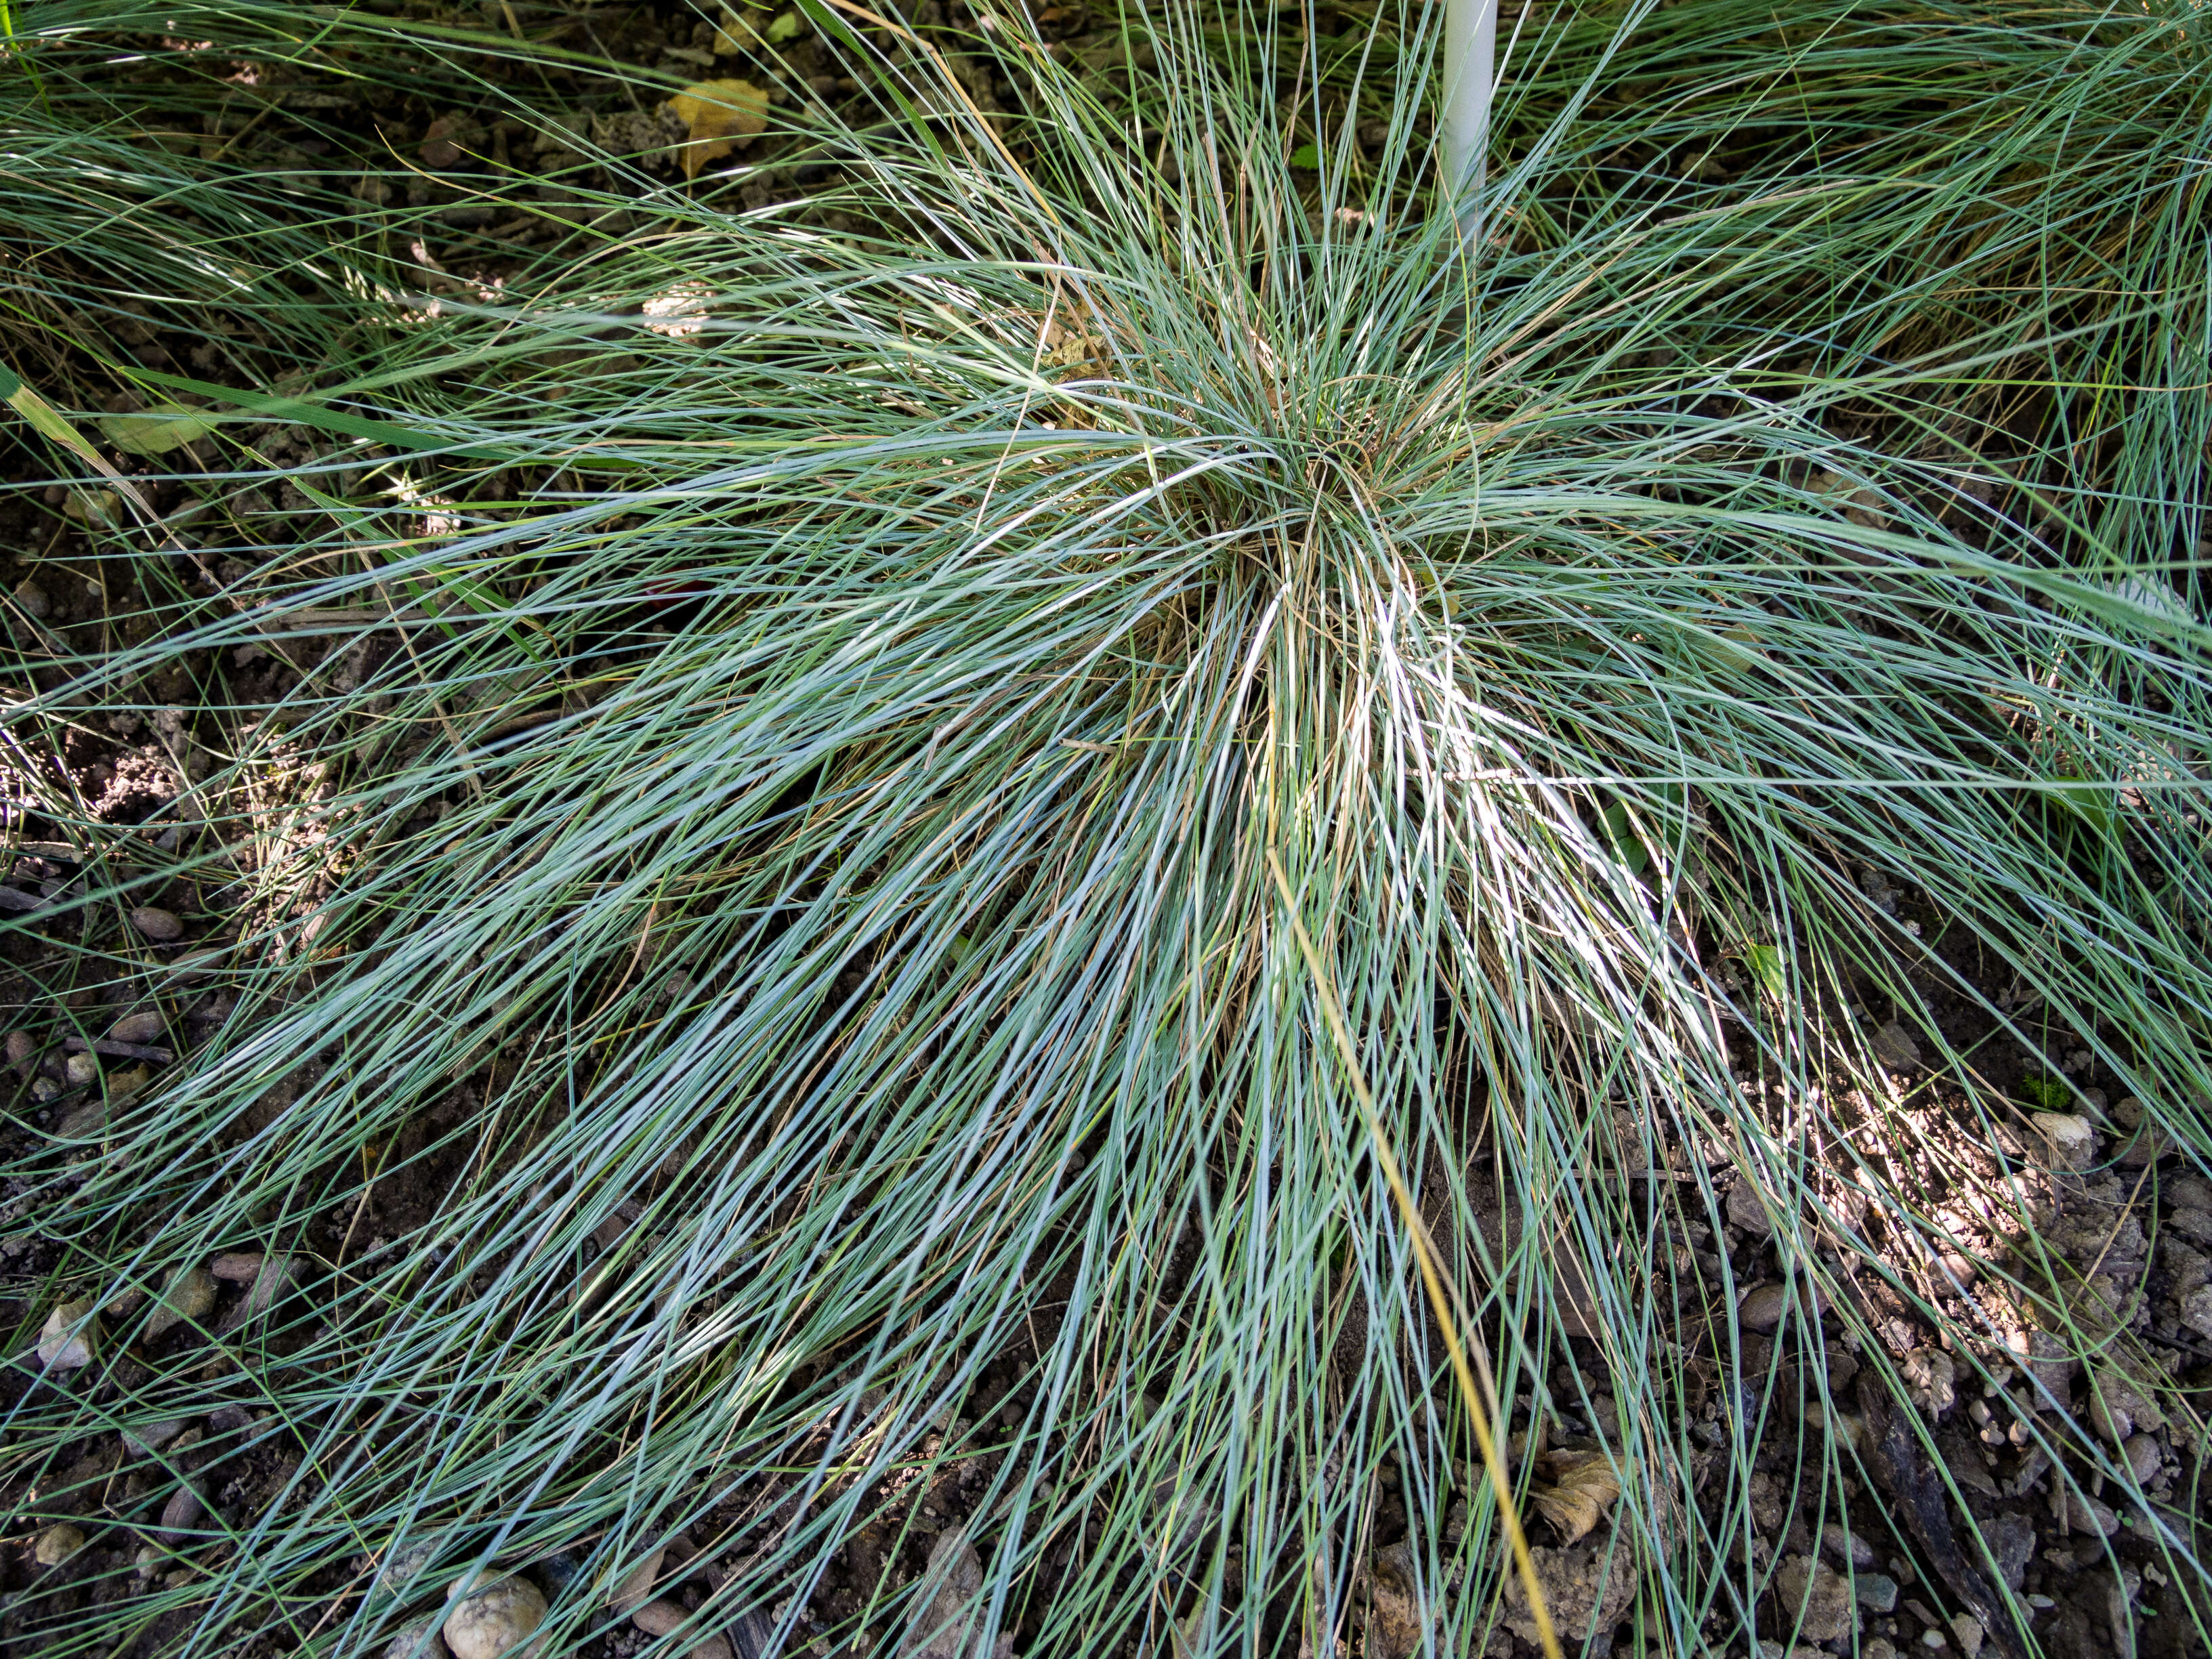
[{"x": 773, "y": 832}]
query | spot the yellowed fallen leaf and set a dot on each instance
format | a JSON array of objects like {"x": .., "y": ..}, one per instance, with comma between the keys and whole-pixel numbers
[
  {"x": 103, "y": 507},
  {"x": 1584, "y": 1487},
  {"x": 1396, "y": 1617},
  {"x": 720, "y": 115},
  {"x": 156, "y": 431}
]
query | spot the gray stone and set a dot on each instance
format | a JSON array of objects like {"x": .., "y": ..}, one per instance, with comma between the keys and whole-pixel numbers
[
  {"x": 420, "y": 1640},
  {"x": 2196, "y": 1311},
  {"x": 198, "y": 964},
  {"x": 57, "y": 1544},
  {"x": 1745, "y": 1210},
  {"x": 2013, "y": 1542},
  {"x": 401, "y": 1568},
  {"x": 1846, "y": 1545},
  {"x": 159, "y": 926},
  {"x": 1876, "y": 1592},
  {"x": 2141, "y": 1454},
  {"x": 145, "y": 1026},
  {"x": 2078, "y": 1513},
  {"x": 1761, "y": 1307},
  {"x": 2047, "y": 1360},
  {"x": 181, "y": 1514},
  {"x": 1813, "y": 1594},
  {"x": 658, "y": 1618},
  {"x": 69, "y": 1336},
  {"x": 1894, "y": 1047},
  {"x": 189, "y": 1298},
  {"x": 147, "y": 1438},
  {"x": 635, "y": 1588}
]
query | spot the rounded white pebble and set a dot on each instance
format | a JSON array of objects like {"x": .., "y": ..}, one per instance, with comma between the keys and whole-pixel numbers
[
  {"x": 63, "y": 1345},
  {"x": 494, "y": 1621}
]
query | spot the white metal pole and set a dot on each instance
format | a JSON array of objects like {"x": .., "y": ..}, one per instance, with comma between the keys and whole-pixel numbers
[{"x": 1470, "y": 51}]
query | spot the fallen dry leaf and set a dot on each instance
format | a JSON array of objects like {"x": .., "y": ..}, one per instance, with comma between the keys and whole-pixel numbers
[
  {"x": 1584, "y": 1487},
  {"x": 1397, "y": 1619},
  {"x": 157, "y": 430},
  {"x": 720, "y": 115}
]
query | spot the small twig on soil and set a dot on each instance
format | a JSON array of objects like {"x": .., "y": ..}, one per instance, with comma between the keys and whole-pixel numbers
[{"x": 116, "y": 1050}]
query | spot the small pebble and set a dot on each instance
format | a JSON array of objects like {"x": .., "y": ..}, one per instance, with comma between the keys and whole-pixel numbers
[
  {"x": 2196, "y": 1311},
  {"x": 2141, "y": 1454},
  {"x": 1745, "y": 1210},
  {"x": 1932, "y": 1637},
  {"x": 636, "y": 1586},
  {"x": 147, "y": 1438},
  {"x": 269, "y": 1283},
  {"x": 181, "y": 1514},
  {"x": 81, "y": 1070},
  {"x": 237, "y": 1266},
  {"x": 22, "y": 1052},
  {"x": 420, "y": 1640},
  {"x": 148, "y": 1561},
  {"x": 32, "y": 598},
  {"x": 57, "y": 1544},
  {"x": 1894, "y": 1047},
  {"x": 144, "y": 1026},
  {"x": 1876, "y": 1592},
  {"x": 1761, "y": 1307},
  {"x": 198, "y": 964},
  {"x": 2072, "y": 1141},
  {"x": 1968, "y": 1630},
  {"x": 62, "y": 1347},
  {"x": 400, "y": 1570},
  {"x": 558, "y": 1571},
  {"x": 190, "y": 1297},
  {"x": 1814, "y": 1596},
  {"x": 659, "y": 1618},
  {"x": 493, "y": 1621},
  {"x": 2078, "y": 1513},
  {"x": 159, "y": 926}
]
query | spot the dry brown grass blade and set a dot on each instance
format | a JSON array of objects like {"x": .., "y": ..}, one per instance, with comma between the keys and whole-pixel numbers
[
  {"x": 1423, "y": 1252},
  {"x": 1584, "y": 1487}
]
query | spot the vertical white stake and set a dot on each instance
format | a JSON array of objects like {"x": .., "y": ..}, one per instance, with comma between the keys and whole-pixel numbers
[{"x": 1470, "y": 52}]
